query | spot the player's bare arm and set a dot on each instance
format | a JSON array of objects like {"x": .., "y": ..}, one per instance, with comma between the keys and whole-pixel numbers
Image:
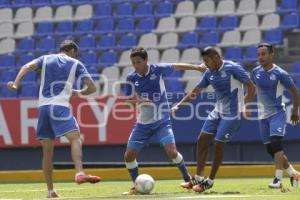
[
  {"x": 14, "y": 85},
  {"x": 295, "y": 113},
  {"x": 89, "y": 89},
  {"x": 185, "y": 66},
  {"x": 187, "y": 99},
  {"x": 249, "y": 96}
]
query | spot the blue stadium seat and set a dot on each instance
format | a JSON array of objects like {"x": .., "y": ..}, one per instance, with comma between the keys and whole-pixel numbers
[
  {"x": 84, "y": 26},
  {"x": 60, "y": 2},
  {"x": 105, "y": 25},
  {"x": 273, "y": 36},
  {"x": 173, "y": 83},
  {"x": 7, "y": 93},
  {"x": 5, "y": 3},
  {"x": 59, "y": 40},
  {"x": 8, "y": 75},
  {"x": 295, "y": 72},
  {"x": 233, "y": 53},
  {"x": 250, "y": 55},
  {"x": 145, "y": 25},
  {"x": 29, "y": 89},
  {"x": 210, "y": 38},
  {"x": 87, "y": 42},
  {"x": 79, "y": 2},
  {"x": 102, "y": 10},
  {"x": 22, "y": 3},
  {"x": 7, "y": 61},
  {"x": 127, "y": 41},
  {"x": 288, "y": 6},
  {"x": 27, "y": 44},
  {"x": 228, "y": 23},
  {"x": 88, "y": 58},
  {"x": 107, "y": 42},
  {"x": 164, "y": 9},
  {"x": 41, "y": 2},
  {"x": 123, "y": 10},
  {"x": 44, "y": 28},
  {"x": 64, "y": 28},
  {"x": 24, "y": 59},
  {"x": 189, "y": 39},
  {"x": 125, "y": 25},
  {"x": 144, "y": 9},
  {"x": 46, "y": 44},
  {"x": 108, "y": 58},
  {"x": 93, "y": 70},
  {"x": 30, "y": 76},
  {"x": 290, "y": 21},
  {"x": 207, "y": 24}
]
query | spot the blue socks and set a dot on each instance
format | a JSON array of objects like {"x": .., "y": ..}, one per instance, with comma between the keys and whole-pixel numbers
[
  {"x": 181, "y": 166},
  {"x": 132, "y": 169}
]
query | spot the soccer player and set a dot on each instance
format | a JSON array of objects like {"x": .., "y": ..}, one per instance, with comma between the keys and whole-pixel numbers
[
  {"x": 55, "y": 119},
  {"x": 270, "y": 81},
  {"x": 227, "y": 78},
  {"x": 146, "y": 82}
]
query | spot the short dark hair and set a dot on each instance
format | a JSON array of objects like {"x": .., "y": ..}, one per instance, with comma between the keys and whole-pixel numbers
[
  {"x": 68, "y": 45},
  {"x": 209, "y": 51},
  {"x": 269, "y": 47},
  {"x": 139, "y": 51}
]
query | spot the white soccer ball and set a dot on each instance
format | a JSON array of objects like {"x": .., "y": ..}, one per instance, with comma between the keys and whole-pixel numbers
[{"x": 144, "y": 183}]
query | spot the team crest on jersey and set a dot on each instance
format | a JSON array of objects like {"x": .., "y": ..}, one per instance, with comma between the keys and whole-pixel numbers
[
  {"x": 153, "y": 77},
  {"x": 223, "y": 74},
  {"x": 272, "y": 77},
  {"x": 257, "y": 75},
  {"x": 136, "y": 83}
]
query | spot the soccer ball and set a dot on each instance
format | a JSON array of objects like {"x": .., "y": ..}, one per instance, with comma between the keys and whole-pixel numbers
[{"x": 144, "y": 183}]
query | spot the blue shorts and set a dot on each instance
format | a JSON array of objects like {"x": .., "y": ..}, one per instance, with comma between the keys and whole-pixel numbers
[
  {"x": 55, "y": 121},
  {"x": 272, "y": 126},
  {"x": 221, "y": 126},
  {"x": 142, "y": 133}
]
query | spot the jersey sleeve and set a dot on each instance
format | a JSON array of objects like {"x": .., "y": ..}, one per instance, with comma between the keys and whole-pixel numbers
[
  {"x": 39, "y": 61},
  {"x": 252, "y": 76},
  {"x": 204, "y": 83},
  {"x": 286, "y": 80},
  {"x": 81, "y": 72},
  {"x": 240, "y": 74},
  {"x": 165, "y": 68}
]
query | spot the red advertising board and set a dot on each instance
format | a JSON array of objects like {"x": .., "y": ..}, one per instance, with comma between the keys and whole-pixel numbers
[{"x": 105, "y": 120}]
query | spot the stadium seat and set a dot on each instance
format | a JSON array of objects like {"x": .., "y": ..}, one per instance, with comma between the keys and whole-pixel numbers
[
  {"x": 144, "y": 9},
  {"x": 5, "y": 3},
  {"x": 7, "y": 93},
  {"x": 249, "y": 22},
  {"x": 88, "y": 58},
  {"x": 125, "y": 25},
  {"x": 124, "y": 59},
  {"x": 6, "y": 30},
  {"x": 80, "y": 2},
  {"x": 64, "y": 28},
  {"x": 23, "y": 15},
  {"x": 287, "y": 6},
  {"x": 24, "y": 59},
  {"x": 273, "y": 36},
  {"x": 250, "y": 55},
  {"x": 246, "y": 7},
  {"x": 30, "y": 76},
  {"x": 205, "y": 8},
  {"x": 270, "y": 21},
  {"x": 231, "y": 38},
  {"x": 125, "y": 72},
  {"x": 107, "y": 41},
  {"x": 188, "y": 23},
  {"x": 228, "y": 23},
  {"x": 210, "y": 38},
  {"x": 184, "y": 8},
  {"x": 8, "y": 75},
  {"x": 170, "y": 56},
  {"x": 29, "y": 89},
  {"x": 168, "y": 40},
  {"x": 225, "y": 7},
  {"x": 105, "y": 25},
  {"x": 7, "y": 45},
  {"x": 41, "y": 2},
  {"x": 148, "y": 40},
  {"x": 46, "y": 44},
  {"x": 173, "y": 83},
  {"x": 43, "y": 14},
  {"x": 189, "y": 39},
  {"x": 153, "y": 55},
  {"x": 164, "y": 9},
  {"x": 84, "y": 27},
  {"x": 63, "y": 13},
  {"x": 24, "y": 29},
  {"x": 108, "y": 58},
  {"x": 103, "y": 10},
  {"x": 21, "y": 3},
  {"x": 87, "y": 42},
  {"x": 60, "y": 39},
  {"x": 208, "y": 23},
  {"x": 191, "y": 55},
  {"x": 6, "y": 15},
  {"x": 290, "y": 21},
  {"x": 265, "y": 7},
  {"x": 60, "y": 2},
  {"x": 83, "y": 12},
  {"x": 295, "y": 72},
  {"x": 145, "y": 25},
  {"x": 7, "y": 61},
  {"x": 26, "y": 45},
  {"x": 233, "y": 53},
  {"x": 251, "y": 37},
  {"x": 44, "y": 28},
  {"x": 123, "y": 10},
  {"x": 166, "y": 24},
  {"x": 127, "y": 41},
  {"x": 110, "y": 87}
]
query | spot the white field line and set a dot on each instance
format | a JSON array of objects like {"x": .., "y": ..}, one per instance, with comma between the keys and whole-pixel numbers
[{"x": 39, "y": 190}]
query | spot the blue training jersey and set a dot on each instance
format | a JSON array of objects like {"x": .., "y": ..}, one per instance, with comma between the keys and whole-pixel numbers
[
  {"x": 270, "y": 86},
  {"x": 58, "y": 73},
  {"x": 150, "y": 86},
  {"x": 228, "y": 86}
]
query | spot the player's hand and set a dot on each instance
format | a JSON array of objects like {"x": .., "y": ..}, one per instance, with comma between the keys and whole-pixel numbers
[
  {"x": 145, "y": 102},
  {"x": 12, "y": 86},
  {"x": 75, "y": 93},
  {"x": 174, "y": 109},
  {"x": 295, "y": 117},
  {"x": 202, "y": 67}
]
